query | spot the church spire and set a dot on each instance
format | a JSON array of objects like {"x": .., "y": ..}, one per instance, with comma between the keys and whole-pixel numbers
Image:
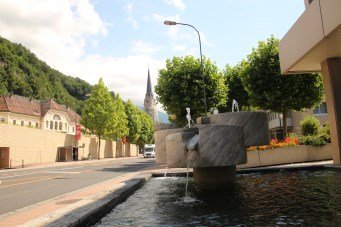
[{"x": 149, "y": 86}]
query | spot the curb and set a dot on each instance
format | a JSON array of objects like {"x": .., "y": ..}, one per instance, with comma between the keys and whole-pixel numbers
[
  {"x": 96, "y": 215},
  {"x": 92, "y": 209}
]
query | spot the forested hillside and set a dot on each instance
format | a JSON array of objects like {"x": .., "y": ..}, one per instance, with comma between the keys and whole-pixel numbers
[{"x": 22, "y": 73}]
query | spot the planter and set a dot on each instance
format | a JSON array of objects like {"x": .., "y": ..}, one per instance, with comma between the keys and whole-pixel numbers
[{"x": 286, "y": 155}]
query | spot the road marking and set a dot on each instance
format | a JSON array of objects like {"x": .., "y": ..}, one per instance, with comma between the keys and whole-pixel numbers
[
  {"x": 37, "y": 180},
  {"x": 23, "y": 179}
]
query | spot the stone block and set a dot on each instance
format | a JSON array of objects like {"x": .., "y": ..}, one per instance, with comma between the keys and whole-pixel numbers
[
  {"x": 220, "y": 145},
  {"x": 176, "y": 150},
  {"x": 160, "y": 142},
  {"x": 255, "y": 124}
]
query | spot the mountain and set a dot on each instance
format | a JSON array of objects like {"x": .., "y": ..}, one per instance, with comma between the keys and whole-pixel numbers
[
  {"x": 163, "y": 117},
  {"x": 22, "y": 73}
]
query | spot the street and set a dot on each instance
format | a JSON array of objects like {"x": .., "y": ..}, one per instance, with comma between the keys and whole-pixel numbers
[{"x": 25, "y": 187}]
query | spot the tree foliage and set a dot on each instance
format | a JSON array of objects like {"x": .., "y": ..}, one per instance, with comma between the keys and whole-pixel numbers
[
  {"x": 180, "y": 85},
  {"x": 134, "y": 121},
  {"x": 269, "y": 90},
  {"x": 119, "y": 127},
  {"x": 147, "y": 130},
  {"x": 22, "y": 73},
  {"x": 236, "y": 88},
  {"x": 98, "y": 115}
]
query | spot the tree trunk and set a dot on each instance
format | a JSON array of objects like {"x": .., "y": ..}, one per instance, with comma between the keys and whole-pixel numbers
[
  {"x": 285, "y": 131},
  {"x": 99, "y": 148}
]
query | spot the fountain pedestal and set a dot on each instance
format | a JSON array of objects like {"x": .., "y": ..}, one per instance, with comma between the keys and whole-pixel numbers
[{"x": 207, "y": 178}]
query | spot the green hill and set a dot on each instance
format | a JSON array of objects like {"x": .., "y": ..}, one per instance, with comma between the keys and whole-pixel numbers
[{"x": 22, "y": 73}]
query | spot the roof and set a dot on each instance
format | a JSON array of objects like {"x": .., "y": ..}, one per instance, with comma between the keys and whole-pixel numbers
[{"x": 32, "y": 107}]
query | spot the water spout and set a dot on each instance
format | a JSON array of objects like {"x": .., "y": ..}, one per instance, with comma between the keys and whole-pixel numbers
[{"x": 235, "y": 105}]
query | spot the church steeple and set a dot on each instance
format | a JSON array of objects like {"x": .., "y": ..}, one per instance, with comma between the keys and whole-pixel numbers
[
  {"x": 149, "y": 86},
  {"x": 149, "y": 101}
]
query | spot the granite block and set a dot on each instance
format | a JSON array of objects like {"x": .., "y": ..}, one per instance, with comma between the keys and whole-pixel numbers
[
  {"x": 220, "y": 145},
  {"x": 160, "y": 142},
  {"x": 176, "y": 150},
  {"x": 255, "y": 124}
]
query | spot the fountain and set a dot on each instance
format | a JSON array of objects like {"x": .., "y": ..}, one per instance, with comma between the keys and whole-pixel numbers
[{"x": 214, "y": 147}]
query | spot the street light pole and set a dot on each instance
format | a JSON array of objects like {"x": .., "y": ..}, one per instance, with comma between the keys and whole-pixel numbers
[{"x": 201, "y": 62}]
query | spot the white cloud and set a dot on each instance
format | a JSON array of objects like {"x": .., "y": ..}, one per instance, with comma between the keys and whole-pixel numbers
[
  {"x": 141, "y": 47},
  {"x": 177, "y": 4},
  {"x": 129, "y": 10},
  {"x": 179, "y": 48},
  {"x": 57, "y": 32}
]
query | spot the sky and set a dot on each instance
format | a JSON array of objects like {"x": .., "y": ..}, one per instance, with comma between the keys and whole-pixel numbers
[{"x": 118, "y": 39}]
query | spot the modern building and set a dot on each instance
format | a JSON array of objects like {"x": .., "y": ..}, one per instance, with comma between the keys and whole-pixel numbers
[
  {"x": 313, "y": 44},
  {"x": 293, "y": 120},
  {"x": 40, "y": 114},
  {"x": 150, "y": 102}
]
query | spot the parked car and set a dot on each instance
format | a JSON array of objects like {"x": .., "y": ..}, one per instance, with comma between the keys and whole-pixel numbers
[{"x": 149, "y": 151}]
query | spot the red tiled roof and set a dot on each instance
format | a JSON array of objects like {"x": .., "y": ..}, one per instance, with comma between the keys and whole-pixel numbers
[
  {"x": 32, "y": 107},
  {"x": 23, "y": 105}
]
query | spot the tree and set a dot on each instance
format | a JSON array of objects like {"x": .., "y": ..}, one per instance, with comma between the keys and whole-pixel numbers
[
  {"x": 119, "y": 127},
  {"x": 134, "y": 121},
  {"x": 98, "y": 111},
  {"x": 269, "y": 90},
  {"x": 236, "y": 89},
  {"x": 180, "y": 85},
  {"x": 146, "y": 135}
]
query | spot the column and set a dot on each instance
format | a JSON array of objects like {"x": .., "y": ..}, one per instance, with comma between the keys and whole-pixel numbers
[{"x": 331, "y": 71}]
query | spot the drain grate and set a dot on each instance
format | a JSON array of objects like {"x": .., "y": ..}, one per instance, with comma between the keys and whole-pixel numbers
[{"x": 69, "y": 201}]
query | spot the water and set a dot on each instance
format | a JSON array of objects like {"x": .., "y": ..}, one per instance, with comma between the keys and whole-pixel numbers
[{"x": 310, "y": 198}]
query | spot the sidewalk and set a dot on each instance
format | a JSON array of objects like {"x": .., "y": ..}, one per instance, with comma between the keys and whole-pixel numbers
[{"x": 53, "y": 164}]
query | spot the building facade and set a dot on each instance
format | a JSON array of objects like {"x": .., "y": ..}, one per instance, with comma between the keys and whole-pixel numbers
[
  {"x": 313, "y": 44},
  {"x": 293, "y": 120},
  {"x": 40, "y": 114},
  {"x": 149, "y": 101}
]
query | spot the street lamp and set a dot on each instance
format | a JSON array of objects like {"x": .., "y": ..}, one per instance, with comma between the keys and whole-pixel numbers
[{"x": 167, "y": 22}]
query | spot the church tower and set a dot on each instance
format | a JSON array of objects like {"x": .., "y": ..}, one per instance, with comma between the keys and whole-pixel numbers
[{"x": 149, "y": 101}]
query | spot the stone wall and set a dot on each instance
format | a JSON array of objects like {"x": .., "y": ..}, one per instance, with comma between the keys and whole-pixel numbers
[{"x": 41, "y": 146}]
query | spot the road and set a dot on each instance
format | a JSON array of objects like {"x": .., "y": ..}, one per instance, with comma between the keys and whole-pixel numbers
[{"x": 25, "y": 187}]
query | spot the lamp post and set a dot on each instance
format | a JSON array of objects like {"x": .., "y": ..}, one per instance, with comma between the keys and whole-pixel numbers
[
  {"x": 280, "y": 123},
  {"x": 170, "y": 23}
]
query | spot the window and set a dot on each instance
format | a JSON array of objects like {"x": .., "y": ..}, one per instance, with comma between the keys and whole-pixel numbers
[
  {"x": 321, "y": 109},
  {"x": 37, "y": 125},
  {"x": 73, "y": 129},
  {"x": 29, "y": 123},
  {"x": 14, "y": 122},
  {"x": 56, "y": 125},
  {"x": 56, "y": 117},
  {"x": 65, "y": 127},
  {"x": 60, "y": 126},
  {"x": 2, "y": 120},
  {"x": 47, "y": 124},
  {"x": 22, "y": 123},
  {"x": 51, "y": 124}
]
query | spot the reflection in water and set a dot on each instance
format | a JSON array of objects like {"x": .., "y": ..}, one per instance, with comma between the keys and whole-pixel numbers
[{"x": 285, "y": 198}]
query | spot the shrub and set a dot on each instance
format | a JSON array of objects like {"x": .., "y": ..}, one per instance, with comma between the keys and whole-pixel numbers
[
  {"x": 314, "y": 140},
  {"x": 310, "y": 125}
]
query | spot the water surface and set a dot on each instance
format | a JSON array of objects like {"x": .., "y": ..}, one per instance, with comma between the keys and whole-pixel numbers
[{"x": 285, "y": 198}]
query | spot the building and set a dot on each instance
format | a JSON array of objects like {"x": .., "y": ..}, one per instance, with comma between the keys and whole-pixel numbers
[
  {"x": 150, "y": 102},
  {"x": 313, "y": 44},
  {"x": 293, "y": 120},
  {"x": 41, "y": 114}
]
